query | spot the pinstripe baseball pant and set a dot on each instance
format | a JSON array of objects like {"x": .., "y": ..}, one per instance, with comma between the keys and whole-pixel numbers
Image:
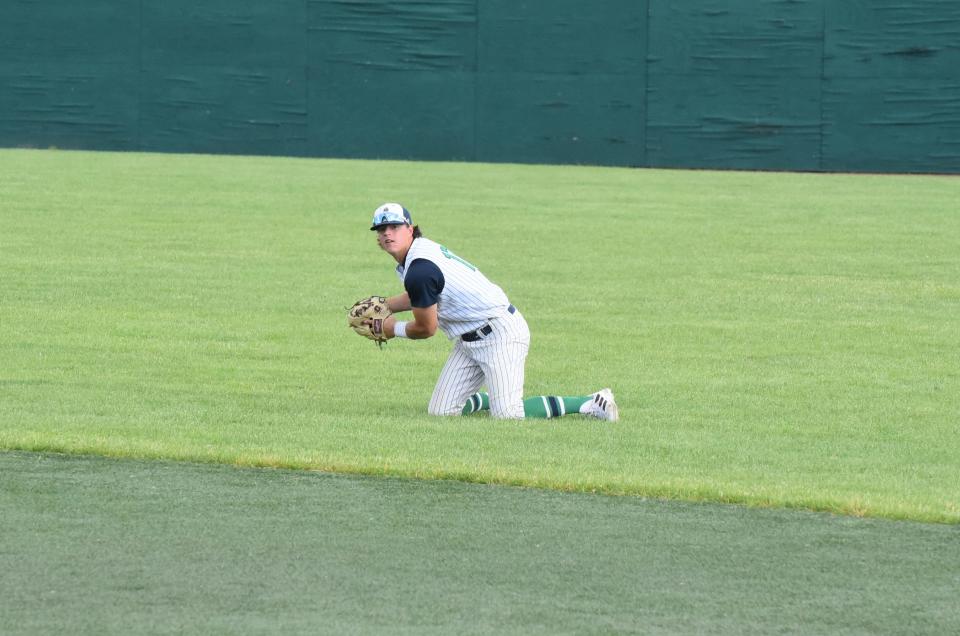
[{"x": 497, "y": 360}]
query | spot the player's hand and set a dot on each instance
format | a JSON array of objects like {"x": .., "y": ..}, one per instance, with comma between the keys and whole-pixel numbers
[
  {"x": 367, "y": 316},
  {"x": 388, "y": 324}
]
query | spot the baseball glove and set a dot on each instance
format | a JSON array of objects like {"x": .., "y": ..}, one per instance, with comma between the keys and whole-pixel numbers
[{"x": 366, "y": 318}]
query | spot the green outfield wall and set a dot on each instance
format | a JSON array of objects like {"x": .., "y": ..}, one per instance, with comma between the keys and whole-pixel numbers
[{"x": 851, "y": 85}]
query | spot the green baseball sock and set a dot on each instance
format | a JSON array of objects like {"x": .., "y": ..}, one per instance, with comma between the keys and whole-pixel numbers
[
  {"x": 538, "y": 407},
  {"x": 476, "y": 402},
  {"x": 547, "y": 406}
]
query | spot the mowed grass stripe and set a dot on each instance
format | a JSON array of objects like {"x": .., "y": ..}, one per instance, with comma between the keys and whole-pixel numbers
[
  {"x": 100, "y": 546},
  {"x": 773, "y": 339}
]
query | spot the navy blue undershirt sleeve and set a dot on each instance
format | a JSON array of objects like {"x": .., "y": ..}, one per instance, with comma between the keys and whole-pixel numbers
[{"x": 423, "y": 282}]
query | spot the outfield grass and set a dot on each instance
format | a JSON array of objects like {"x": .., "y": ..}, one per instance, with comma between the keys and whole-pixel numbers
[
  {"x": 784, "y": 340},
  {"x": 130, "y": 547}
]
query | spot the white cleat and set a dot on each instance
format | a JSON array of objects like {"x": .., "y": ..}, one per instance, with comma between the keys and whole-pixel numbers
[{"x": 602, "y": 406}]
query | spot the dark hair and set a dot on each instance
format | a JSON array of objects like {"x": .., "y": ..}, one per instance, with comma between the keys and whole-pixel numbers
[{"x": 416, "y": 232}]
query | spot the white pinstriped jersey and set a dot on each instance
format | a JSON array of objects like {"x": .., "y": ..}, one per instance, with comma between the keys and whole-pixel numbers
[{"x": 468, "y": 299}]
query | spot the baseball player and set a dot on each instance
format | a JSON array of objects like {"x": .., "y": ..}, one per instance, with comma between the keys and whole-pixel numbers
[{"x": 490, "y": 336}]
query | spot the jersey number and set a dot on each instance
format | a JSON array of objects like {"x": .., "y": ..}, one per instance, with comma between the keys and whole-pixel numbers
[{"x": 453, "y": 256}]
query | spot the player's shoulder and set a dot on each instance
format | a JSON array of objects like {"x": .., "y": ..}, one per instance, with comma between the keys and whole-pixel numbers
[
  {"x": 425, "y": 243},
  {"x": 424, "y": 269},
  {"x": 423, "y": 248}
]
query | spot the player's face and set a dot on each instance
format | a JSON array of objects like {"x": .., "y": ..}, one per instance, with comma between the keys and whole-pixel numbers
[{"x": 395, "y": 239}]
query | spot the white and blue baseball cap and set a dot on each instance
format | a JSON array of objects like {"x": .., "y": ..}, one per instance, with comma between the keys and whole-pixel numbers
[{"x": 391, "y": 214}]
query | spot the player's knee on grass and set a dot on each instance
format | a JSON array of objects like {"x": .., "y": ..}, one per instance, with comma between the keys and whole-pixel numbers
[
  {"x": 444, "y": 410},
  {"x": 506, "y": 410}
]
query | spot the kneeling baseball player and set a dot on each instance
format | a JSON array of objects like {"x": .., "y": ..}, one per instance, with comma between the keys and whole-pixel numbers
[{"x": 490, "y": 335}]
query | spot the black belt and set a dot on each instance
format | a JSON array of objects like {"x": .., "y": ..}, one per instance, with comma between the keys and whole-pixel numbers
[{"x": 476, "y": 334}]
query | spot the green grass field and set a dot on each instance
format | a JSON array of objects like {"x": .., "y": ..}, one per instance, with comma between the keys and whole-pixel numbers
[
  {"x": 129, "y": 547},
  {"x": 776, "y": 340}
]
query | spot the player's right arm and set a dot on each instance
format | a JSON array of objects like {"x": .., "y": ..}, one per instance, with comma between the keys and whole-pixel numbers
[
  {"x": 423, "y": 282},
  {"x": 423, "y": 325}
]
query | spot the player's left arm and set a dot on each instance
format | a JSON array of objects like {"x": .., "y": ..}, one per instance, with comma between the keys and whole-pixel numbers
[{"x": 399, "y": 303}]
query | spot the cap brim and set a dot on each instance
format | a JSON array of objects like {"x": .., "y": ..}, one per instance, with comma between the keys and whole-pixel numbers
[{"x": 373, "y": 227}]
